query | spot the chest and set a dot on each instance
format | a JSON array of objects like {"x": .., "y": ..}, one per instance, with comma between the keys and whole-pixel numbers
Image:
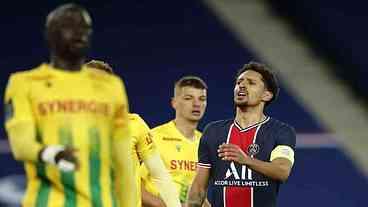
[
  {"x": 179, "y": 154},
  {"x": 70, "y": 96},
  {"x": 256, "y": 142}
]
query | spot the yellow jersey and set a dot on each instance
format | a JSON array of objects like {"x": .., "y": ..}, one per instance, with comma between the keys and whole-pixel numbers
[
  {"x": 86, "y": 110},
  {"x": 180, "y": 156},
  {"x": 142, "y": 147}
]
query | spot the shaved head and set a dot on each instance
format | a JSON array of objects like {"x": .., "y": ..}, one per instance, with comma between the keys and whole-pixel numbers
[
  {"x": 68, "y": 33},
  {"x": 62, "y": 11}
]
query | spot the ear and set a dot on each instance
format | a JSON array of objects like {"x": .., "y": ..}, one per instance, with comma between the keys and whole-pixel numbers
[
  {"x": 173, "y": 102},
  {"x": 267, "y": 96}
]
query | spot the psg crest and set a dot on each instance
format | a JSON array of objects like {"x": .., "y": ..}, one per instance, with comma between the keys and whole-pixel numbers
[{"x": 253, "y": 149}]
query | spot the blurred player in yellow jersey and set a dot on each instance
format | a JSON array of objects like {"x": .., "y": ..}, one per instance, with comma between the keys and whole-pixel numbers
[
  {"x": 144, "y": 151},
  {"x": 178, "y": 139},
  {"x": 69, "y": 125}
]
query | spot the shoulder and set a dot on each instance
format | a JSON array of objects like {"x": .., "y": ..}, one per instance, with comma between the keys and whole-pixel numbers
[
  {"x": 219, "y": 125},
  {"x": 216, "y": 129},
  {"x": 22, "y": 78},
  {"x": 103, "y": 76},
  {"x": 280, "y": 126},
  {"x": 283, "y": 133},
  {"x": 136, "y": 121},
  {"x": 30, "y": 74},
  {"x": 135, "y": 117},
  {"x": 164, "y": 133},
  {"x": 163, "y": 128}
]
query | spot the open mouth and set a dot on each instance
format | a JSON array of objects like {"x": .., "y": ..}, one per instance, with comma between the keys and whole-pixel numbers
[{"x": 242, "y": 93}]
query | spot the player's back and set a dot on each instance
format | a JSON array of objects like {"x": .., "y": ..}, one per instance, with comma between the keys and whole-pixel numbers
[{"x": 76, "y": 109}]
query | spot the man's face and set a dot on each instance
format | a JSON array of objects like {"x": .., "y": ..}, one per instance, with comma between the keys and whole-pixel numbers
[
  {"x": 70, "y": 34},
  {"x": 250, "y": 89},
  {"x": 190, "y": 103}
]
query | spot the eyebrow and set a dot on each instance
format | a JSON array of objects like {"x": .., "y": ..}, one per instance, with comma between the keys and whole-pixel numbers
[
  {"x": 193, "y": 95},
  {"x": 248, "y": 78}
]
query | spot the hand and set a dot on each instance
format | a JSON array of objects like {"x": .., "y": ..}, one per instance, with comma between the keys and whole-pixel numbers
[
  {"x": 232, "y": 152},
  {"x": 150, "y": 200},
  {"x": 63, "y": 157},
  {"x": 206, "y": 203},
  {"x": 155, "y": 203},
  {"x": 159, "y": 203},
  {"x": 66, "y": 158}
]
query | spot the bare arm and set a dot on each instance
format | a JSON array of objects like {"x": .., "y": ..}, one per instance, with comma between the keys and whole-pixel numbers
[
  {"x": 278, "y": 169},
  {"x": 198, "y": 190},
  {"x": 162, "y": 180}
]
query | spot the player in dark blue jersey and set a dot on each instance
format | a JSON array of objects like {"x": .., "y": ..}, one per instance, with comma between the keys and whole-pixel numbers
[{"x": 247, "y": 158}]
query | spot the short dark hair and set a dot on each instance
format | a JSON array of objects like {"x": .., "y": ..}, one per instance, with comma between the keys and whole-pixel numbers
[
  {"x": 55, "y": 14},
  {"x": 192, "y": 81},
  {"x": 268, "y": 77}
]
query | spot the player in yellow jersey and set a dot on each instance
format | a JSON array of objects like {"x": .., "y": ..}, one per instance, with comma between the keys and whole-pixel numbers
[
  {"x": 144, "y": 151},
  {"x": 178, "y": 140},
  {"x": 69, "y": 125}
]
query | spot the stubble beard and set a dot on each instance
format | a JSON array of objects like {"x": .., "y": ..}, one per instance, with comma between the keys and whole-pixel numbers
[{"x": 240, "y": 104}]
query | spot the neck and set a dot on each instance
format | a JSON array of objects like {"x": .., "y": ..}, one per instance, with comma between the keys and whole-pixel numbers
[
  {"x": 69, "y": 65},
  {"x": 248, "y": 116},
  {"x": 186, "y": 127}
]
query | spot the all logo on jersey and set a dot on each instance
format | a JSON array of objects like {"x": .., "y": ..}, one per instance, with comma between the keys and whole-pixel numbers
[
  {"x": 240, "y": 177},
  {"x": 149, "y": 139},
  {"x": 253, "y": 149},
  {"x": 48, "y": 84},
  {"x": 232, "y": 171},
  {"x": 171, "y": 139},
  {"x": 178, "y": 147}
]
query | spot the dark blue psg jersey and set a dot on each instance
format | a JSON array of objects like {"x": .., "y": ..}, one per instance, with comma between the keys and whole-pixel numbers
[{"x": 232, "y": 184}]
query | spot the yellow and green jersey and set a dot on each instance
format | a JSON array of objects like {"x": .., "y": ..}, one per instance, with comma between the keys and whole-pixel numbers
[
  {"x": 86, "y": 110},
  {"x": 142, "y": 148},
  {"x": 179, "y": 155}
]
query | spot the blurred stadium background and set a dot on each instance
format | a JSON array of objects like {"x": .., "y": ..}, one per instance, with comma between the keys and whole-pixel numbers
[{"x": 317, "y": 47}]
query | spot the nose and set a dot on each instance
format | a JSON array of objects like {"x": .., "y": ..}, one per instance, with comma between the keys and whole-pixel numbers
[
  {"x": 196, "y": 103},
  {"x": 84, "y": 37},
  {"x": 82, "y": 34},
  {"x": 242, "y": 86}
]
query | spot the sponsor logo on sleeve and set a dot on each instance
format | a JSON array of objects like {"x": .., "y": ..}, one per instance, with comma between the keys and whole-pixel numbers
[{"x": 9, "y": 110}]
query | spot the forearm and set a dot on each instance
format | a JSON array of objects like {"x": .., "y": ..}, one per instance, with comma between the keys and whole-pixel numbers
[
  {"x": 22, "y": 141},
  {"x": 198, "y": 190},
  {"x": 196, "y": 196},
  {"x": 273, "y": 170},
  {"x": 162, "y": 180}
]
